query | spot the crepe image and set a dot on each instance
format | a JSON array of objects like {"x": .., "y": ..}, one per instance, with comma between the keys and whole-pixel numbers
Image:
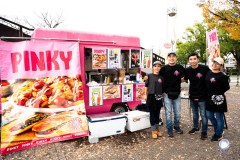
[
  {"x": 110, "y": 92},
  {"x": 23, "y": 123},
  {"x": 26, "y": 136},
  {"x": 141, "y": 94},
  {"x": 99, "y": 61},
  {"x": 52, "y": 126}
]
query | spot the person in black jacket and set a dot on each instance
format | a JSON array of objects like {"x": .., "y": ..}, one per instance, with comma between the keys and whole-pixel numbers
[
  {"x": 217, "y": 84},
  {"x": 196, "y": 74},
  {"x": 172, "y": 74},
  {"x": 153, "y": 85}
]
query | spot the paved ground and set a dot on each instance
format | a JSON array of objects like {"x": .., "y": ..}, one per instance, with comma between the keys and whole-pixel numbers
[{"x": 139, "y": 145}]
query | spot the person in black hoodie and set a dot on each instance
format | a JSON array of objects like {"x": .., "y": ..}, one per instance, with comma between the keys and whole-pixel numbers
[
  {"x": 196, "y": 74},
  {"x": 172, "y": 74},
  {"x": 153, "y": 85},
  {"x": 217, "y": 84}
]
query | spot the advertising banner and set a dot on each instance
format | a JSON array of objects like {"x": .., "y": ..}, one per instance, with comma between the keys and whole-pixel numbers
[
  {"x": 42, "y": 94},
  {"x": 213, "y": 47}
]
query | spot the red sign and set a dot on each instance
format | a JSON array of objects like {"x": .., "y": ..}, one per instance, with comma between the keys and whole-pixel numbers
[{"x": 167, "y": 45}]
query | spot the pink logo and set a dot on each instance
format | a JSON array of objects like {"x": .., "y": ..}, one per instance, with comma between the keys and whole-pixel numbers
[
  {"x": 75, "y": 123},
  {"x": 212, "y": 80},
  {"x": 199, "y": 75},
  {"x": 159, "y": 80},
  {"x": 176, "y": 73}
]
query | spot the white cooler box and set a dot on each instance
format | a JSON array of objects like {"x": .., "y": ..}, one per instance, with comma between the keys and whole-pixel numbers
[
  {"x": 137, "y": 120},
  {"x": 105, "y": 124}
]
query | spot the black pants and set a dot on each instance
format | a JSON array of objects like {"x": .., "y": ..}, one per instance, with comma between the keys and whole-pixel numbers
[{"x": 154, "y": 109}]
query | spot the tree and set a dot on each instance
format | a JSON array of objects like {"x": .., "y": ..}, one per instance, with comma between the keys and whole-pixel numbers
[
  {"x": 46, "y": 21},
  {"x": 223, "y": 14},
  {"x": 194, "y": 40},
  {"x": 229, "y": 45}
]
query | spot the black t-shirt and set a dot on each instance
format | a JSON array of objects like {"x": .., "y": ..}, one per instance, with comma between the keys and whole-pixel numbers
[
  {"x": 172, "y": 77},
  {"x": 217, "y": 84},
  {"x": 196, "y": 76},
  {"x": 154, "y": 84}
]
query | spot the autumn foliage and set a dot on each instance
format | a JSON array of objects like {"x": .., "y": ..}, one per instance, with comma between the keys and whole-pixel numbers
[{"x": 223, "y": 14}]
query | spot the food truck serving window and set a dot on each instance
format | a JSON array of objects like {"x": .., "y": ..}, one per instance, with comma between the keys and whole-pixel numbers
[{"x": 111, "y": 64}]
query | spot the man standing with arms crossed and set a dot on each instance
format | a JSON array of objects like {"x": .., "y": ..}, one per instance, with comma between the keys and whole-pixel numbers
[
  {"x": 196, "y": 74},
  {"x": 172, "y": 74}
]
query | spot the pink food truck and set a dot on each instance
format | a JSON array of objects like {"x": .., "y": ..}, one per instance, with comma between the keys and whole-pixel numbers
[{"x": 53, "y": 80}]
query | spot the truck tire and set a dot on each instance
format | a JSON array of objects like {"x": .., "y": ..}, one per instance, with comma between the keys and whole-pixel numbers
[{"x": 120, "y": 108}]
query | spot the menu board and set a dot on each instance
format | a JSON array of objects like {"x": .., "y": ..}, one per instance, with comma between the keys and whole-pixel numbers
[
  {"x": 127, "y": 92},
  {"x": 95, "y": 96},
  {"x": 114, "y": 58}
]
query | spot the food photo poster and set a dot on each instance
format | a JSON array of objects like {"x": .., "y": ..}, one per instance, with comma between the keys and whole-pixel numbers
[
  {"x": 99, "y": 58},
  {"x": 135, "y": 58},
  {"x": 95, "y": 96},
  {"x": 114, "y": 58},
  {"x": 42, "y": 98},
  {"x": 127, "y": 92},
  {"x": 146, "y": 59}
]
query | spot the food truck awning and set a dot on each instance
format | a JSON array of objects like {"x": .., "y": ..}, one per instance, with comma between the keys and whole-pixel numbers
[{"x": 86, "y": 37}]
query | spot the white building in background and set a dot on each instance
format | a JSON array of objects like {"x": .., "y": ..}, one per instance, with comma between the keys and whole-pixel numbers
[{"x": 230, "y": 61}]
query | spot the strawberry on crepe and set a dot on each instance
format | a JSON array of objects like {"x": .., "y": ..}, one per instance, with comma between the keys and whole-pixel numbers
[
  {"x": 23, "y": 123},
  {"x": 49, "y": 126}
]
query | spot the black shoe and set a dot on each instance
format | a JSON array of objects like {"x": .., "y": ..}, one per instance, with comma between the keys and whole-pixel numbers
[
  {"x": 193, "y": 130},
  {"x": 170, "y": 134},
  {"x": 178, "y": 130},
  {"x": 203, "y": 135},
  {"x": 216, "y": 137},
  {"x": 160, "y": 122}
]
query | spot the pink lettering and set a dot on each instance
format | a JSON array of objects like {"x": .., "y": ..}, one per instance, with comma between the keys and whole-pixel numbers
[
  {"x": 43, "y": 60},
  {"x": 99, "y": 51},
  {"x": 37, "y": 61},
  {"x": 26, "y": 60},
  {"x": 67, "y": 59},
  {"x": 52, "y": 59},
  {"x": 213, "y": 37},
  {"x": 16, "y": 59}
]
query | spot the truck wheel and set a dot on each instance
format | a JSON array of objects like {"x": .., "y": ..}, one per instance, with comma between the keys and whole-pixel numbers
[{"x": 119, "y": 108}]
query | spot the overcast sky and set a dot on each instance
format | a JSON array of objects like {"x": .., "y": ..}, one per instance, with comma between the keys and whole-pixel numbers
[{"x": 146, "y": 19}]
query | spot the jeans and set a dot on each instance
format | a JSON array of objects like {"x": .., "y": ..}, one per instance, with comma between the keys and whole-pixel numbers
[
  {"x": 172, "y": 105},
  {"x": 196, "y": 108},
  {"x": 217, "y": 120}
]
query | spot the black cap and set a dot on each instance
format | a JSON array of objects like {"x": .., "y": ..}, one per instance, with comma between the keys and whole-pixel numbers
[{"x": 173, "y": 53}]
